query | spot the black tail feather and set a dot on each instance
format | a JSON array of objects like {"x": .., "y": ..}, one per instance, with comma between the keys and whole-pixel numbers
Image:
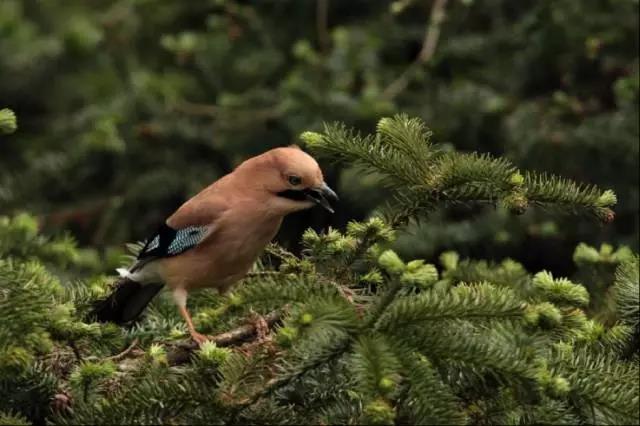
[{"x": 126, "y": 302}]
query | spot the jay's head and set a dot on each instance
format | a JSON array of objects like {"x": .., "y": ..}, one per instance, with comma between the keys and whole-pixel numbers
[{"x": 292, "y": 179}]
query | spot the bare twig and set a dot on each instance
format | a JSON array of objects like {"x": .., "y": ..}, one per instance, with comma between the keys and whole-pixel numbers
[
  {"x": 322, "y": 25},
  {"x": 124, "y": 353},
  {"x": 76, "y": 351},
  {"x": 244, "y": 332},
  {"x": 238, "y": 335},
  {"x": 429, "y": 43}
]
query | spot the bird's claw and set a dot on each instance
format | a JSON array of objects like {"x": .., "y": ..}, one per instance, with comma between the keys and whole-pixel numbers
[{"x": 199, "y": 338}]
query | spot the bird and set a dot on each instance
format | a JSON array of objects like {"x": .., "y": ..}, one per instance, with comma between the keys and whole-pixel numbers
[{"x": 214, "y": 238}]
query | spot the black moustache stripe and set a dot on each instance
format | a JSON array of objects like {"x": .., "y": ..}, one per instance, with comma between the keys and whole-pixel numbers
[{"x": 292, "y": 194}]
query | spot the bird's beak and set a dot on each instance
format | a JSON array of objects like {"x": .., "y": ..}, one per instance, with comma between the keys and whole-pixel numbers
[{"x": 322, "y": 195}]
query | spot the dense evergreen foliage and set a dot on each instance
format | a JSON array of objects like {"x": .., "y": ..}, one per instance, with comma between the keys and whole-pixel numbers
[
  {"x": 402, "y": 341},
  {"x": 483, "y": 279},
  {"x": 151, "y": 100}
]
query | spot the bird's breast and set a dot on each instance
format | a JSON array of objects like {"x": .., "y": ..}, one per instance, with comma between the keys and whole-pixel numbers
[{"x": 226, "y": 256}]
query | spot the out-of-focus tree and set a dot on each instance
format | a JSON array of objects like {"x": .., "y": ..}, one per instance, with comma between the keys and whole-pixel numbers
[
  {"x": 128, "y": 107},
  {"x": 351, "y": 332}
]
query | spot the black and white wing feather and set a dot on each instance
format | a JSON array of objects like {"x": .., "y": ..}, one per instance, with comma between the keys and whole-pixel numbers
[{"x": 167, "y": 242}]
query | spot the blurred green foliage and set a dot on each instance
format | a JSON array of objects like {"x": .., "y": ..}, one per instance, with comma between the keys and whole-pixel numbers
[
  {"x": 366, "y": 337},
  {"x": 128, "y": 107},
  {"x": 125, "y": 108}
]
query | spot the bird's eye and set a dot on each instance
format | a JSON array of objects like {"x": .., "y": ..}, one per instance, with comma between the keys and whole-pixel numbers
[{"x": 295, "y": 180}]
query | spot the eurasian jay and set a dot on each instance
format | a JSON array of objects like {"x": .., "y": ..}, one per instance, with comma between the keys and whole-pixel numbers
[{"x": 214, "y": 238}]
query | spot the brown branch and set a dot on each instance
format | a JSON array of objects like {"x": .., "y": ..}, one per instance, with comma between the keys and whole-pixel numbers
[
  {"x": 244, "y": 332},
  {"x": 429, "y": 43},
  {"x": 322, "y": 25},
  {"x": 182, "y": 351},
  {"x": 124, "y": 353},
  {"x": 76, "y": 351}
]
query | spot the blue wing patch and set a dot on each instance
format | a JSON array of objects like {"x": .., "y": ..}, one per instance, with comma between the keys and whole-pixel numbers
[
  {"x": 186, "y": 238},
  {"x": 168, "y": 242}
]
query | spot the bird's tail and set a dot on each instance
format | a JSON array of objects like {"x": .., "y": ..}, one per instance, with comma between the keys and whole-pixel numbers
[{"x": 126, "y": 302}]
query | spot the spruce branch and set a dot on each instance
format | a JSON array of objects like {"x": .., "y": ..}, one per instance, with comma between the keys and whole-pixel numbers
[
  {"x": 559, "y": 290},
  {"x": 279, "y": 252},
  {"x": 560, "y": 193},
  {"x": 508, "y": 273},
  {"x": 626, "y": 292},
  {"x": 604, "y": 389},
  {"x": 182, "y": 351},
  {"x": 470, "y": 302},
  {"x": 476, "y": 349},
  {"x": 272, "y": 293},
  {"x": 423, "y": 176},
  {"x": 330, "y": 337},
  {"x": 378, "y": 309},
  {"x": 332, "y": 349},
  {"x": 376, "y": 367},
  {"x": 430, "y": 400}
]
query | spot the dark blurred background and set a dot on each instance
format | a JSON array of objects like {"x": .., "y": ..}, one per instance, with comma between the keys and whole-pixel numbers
[{"x": 126, "y": 108}]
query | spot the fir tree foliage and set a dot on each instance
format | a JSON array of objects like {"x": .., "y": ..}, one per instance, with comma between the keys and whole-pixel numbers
[
  {"x": 627, "y": 292},
  {"x": 152, "y": 101},
  {"x": 363, "y": 335},
  {"x": 402, "y": 153}
]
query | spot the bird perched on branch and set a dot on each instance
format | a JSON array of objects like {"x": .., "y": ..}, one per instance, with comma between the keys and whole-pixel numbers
[{"x": 214, "y": 238}]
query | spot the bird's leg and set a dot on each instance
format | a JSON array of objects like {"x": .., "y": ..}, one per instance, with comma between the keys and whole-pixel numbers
[
  {"x": 198, "y": 337},
  {"x": 180, "y": 297}
]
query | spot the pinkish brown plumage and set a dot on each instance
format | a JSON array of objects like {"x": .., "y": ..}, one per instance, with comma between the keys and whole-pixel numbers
[{"x": 214, "y": 238}]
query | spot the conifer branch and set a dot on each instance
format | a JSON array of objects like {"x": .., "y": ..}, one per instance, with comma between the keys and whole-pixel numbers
[
  {"x": 429, "y": 400},
  {"x": 239, "y": 335},
  {"x": 322, "y": 355},
  {"x": 626, "y": 292},
  {"x": 401, "y": 153},
  {"x": 242, "y": 333},
  {"x": 472, "y": 302}
]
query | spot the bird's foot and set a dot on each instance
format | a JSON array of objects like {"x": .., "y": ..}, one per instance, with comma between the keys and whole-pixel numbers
[{"x": 199, "y": 338}]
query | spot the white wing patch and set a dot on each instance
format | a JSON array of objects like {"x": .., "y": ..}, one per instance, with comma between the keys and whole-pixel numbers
[
  {"x": 154, "y": 243},
  {"x": 166, "y": 242},
  {"x": 147, "y": 274}
]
